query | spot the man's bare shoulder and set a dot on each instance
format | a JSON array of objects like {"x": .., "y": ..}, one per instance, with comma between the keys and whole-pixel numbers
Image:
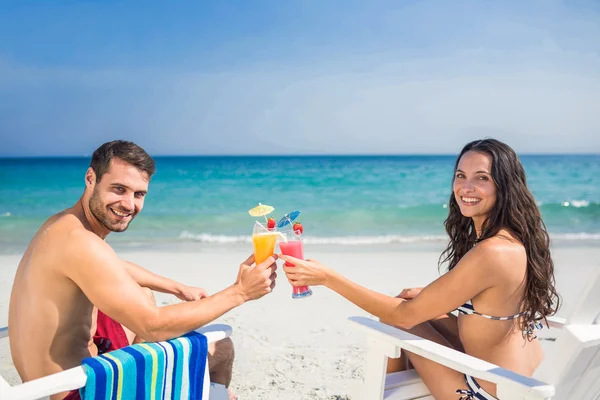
[
  {"x": 66, "y": 238},
  {"x": 59, "y": 224},
  {"x": 80, "y": 241}
]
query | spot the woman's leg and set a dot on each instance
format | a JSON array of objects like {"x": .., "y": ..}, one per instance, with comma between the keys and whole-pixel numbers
[
  {"x": 441, "y": 381},
  {"x": 398, "y": 364},
  {"x": 446, "y": 325}
]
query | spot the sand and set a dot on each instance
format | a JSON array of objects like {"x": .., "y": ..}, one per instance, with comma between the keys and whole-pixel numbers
[{"x": 302, "y": 349}]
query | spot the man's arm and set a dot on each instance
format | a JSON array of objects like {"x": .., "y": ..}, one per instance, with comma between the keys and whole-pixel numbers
[
  {"x": 101, "y": 275},
  {"x": 148, "y": 279}
]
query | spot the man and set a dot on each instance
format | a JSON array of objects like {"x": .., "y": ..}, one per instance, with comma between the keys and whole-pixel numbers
[{"x": 69, "y": 273}]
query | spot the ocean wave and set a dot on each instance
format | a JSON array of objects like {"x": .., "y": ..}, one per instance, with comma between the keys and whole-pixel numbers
[
  {"x": 209, "y": 238},
  {"x": 576, "y": 203},
  {"x": 575, "y": 206},
  {"x": 340, "y": 240},
  {"x": 214, "y": 239},
  {"x": 6, "y": 214},
  {"x": 366, "y": 240},
  {"x": 575, "y": 236}
]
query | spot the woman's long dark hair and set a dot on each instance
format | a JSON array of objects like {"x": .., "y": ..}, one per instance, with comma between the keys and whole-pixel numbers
[{"x": 516, "y": 211}]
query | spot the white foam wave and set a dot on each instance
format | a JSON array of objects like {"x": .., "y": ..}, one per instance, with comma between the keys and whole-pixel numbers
[
  {"x": 580, "y": 203},
  {"x": 366, "y": 240},
  {"x": 575, "y": 203},
  {"x": 575, "y": 236},
  {"x": 6, "y": 214},
  {"x": 214, "y": 239},
  {"x": 340, "y": 240},
  {"x": 209, "y": 238}
]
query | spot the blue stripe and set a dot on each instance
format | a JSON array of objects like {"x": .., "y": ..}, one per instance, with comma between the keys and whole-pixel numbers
[
  {"x": 198, "y": 354},
  {"x": 115, "y": 377},
  {"x": 129, "y": 378},
  {"x": 110, "y": 373},
  {"x": 140, "y": 381},
  {"x": 165, "y": 369},
  {"x": 147, "y": 358},
  {"x": 193, "y": 371},
  {"x": 160, "y": 374},
  {"x": 90, "y": 384},
  {"x": 101, "y": 380},
  {"x": 177, "y": 366}
]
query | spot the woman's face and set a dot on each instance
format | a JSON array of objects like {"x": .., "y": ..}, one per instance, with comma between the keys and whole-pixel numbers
[{"x": 474, "y": 188}]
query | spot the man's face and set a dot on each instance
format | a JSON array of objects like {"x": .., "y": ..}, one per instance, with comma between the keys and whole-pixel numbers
[{"x": 119, "y": 196}]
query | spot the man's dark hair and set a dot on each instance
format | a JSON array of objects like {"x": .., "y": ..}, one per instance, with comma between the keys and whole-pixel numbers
[{"x": 129, "y": 152}]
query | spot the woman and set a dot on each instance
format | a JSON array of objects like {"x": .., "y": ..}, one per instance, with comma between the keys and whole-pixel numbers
[{"x": 500, "y": 276}]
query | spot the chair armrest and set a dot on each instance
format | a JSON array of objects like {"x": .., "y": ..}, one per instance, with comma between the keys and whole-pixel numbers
[
  {"x": 212, "y": 332},
  {"x": 70, "y": 379},
  {"x": 391, "y": 340},
  {"x": 215, "y": 332},
  {"x": 76, "y": 378},
  {"x": 556, "y": 322}
]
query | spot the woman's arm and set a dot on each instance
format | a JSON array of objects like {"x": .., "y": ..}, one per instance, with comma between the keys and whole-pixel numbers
[{"x": 476, "y": 272}]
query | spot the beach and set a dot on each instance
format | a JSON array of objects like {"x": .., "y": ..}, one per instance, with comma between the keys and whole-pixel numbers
[{"x": 306, "y": 348}]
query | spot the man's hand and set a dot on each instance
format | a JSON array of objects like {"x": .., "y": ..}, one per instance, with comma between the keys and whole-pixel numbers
[
  {"x": 255, "y": 281},
  {"x": 409, "y": 294},
  {"x": 190, "y": 293}
]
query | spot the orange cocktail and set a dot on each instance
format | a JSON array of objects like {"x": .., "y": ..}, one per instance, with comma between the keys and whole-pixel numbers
[{"x": 264, "y": 245}]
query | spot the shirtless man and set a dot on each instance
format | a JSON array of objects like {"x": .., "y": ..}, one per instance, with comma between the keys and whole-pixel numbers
[{"x": 69, "y": 272}]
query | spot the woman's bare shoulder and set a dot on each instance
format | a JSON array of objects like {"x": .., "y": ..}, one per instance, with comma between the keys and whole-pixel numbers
[{"x": 503, "y": 250}]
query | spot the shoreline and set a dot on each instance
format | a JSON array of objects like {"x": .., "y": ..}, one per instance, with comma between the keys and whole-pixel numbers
[{"x": 176, "y": 245}]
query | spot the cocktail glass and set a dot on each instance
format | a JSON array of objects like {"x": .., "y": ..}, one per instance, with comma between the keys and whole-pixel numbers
[
  {"x": 264, "y": 241},
  {"x": 293, "y": 246}
]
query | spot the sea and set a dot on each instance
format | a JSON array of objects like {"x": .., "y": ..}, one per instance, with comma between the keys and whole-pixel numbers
[{"x": 348, "y": 201}]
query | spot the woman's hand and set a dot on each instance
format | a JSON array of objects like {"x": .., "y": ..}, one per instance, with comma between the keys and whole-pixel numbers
[
  {"x": 409, "y": 294},
  {"x": 305, "y": 272},
  {"x": 190, "y": 293}
]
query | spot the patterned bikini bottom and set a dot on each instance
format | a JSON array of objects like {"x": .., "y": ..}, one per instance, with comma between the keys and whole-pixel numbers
[{"x": 475, "y": 391}]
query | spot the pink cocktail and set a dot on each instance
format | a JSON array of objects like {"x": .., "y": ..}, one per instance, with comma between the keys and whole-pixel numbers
[{"x": 295, "y": 248}]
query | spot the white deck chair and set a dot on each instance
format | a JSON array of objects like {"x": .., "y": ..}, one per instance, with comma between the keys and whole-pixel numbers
[
  {"x": 569, "y": 371},
  {"x": 75, "y": 378}
]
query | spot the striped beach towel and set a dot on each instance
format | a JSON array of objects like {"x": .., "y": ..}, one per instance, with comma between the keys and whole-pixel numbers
[{"x": 173, "y": 369}]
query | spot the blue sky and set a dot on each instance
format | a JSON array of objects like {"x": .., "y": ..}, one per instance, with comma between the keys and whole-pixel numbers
[{"x": 310, "y": 77}]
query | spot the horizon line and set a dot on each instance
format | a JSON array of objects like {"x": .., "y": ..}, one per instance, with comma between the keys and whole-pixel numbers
[{"x": 271, "y": 155}]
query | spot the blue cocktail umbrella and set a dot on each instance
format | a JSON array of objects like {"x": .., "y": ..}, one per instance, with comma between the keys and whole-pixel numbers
[{"x": 288, "y": 219}]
